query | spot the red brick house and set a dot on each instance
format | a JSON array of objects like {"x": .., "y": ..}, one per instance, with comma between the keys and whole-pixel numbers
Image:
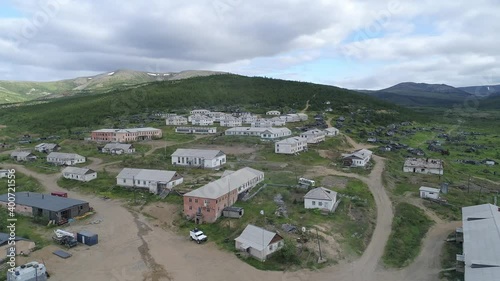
[{"x": 206, "y": 203}]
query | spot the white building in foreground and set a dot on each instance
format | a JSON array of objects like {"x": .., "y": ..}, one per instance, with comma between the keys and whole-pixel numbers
[
  {"x": 79, "y": 174},
  {"x": 258, "y": 242},
  {"x": 291, "y": 145},
  {"x": 320, "y": 198},
  {"x": 314, "y": 136},
  {"x": 153, "y": 180},
  {"x": 203, "y": 158},
  {"x": 264, "y": 133}
]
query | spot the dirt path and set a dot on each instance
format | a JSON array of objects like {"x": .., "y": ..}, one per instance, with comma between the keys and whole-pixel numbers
[
  {"x": 133, "y": 248},
  {"x": 357, "y": 145},
  {"x": 305, "y": 108}
]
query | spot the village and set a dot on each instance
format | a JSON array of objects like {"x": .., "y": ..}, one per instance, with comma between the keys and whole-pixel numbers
[{"x": 279, "y": 191}]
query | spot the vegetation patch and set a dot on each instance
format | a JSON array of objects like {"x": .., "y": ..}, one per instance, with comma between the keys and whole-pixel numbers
[{"x": 409, "y": 227}]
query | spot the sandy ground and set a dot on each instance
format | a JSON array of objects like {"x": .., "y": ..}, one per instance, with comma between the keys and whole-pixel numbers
[{"x": 133, "y": 247}]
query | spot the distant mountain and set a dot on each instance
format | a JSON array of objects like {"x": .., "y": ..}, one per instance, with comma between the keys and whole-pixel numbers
[
  {"x": 421, "y": 94},
  {"x": 482, "y": 91},
  {"x": 20, "y": 91}
]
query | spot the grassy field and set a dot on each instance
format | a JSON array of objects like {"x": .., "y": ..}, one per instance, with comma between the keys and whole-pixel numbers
[
  {"x": 353, "y": 223},
  {"x": 409, "y": 227},
  {"x": 449, "y": 259}
]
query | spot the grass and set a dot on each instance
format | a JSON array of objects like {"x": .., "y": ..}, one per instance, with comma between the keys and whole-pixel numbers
[
  {"x": 409, "y": 227},
  {"x": 448, "y": 260},
  {"x": 353, "y": 221},
  {"x": 24, "y": 183}
]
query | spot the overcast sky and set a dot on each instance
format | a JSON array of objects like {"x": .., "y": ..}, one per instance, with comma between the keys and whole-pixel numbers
[{"x": 356, "y": 44}]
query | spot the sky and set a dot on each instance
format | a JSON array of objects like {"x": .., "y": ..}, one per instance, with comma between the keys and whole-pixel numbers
[{"x": 371, "y": 44}]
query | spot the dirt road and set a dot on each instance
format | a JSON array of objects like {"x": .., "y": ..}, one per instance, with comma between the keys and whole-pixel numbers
[{"x": 133, "y": 248}]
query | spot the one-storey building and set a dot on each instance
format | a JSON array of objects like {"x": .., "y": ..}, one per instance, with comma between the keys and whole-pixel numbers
[
  {"x": 264, "y": 133},
  {"x": 206, "y": 203},
  {"x": 258, "y": 242},
  {"x": 4, "y": 173},
  {"x": 196, "y": 130},
  {"x": 79, "y": 174},
  {"x": 429, "y": 192},
  {"x": 23, "y": 156},
  {"x": 47, "y": 147},
  {"x": 60, "y": 158},
  {"x": 176, "y": 121},
  {"x": 358, "y": 158},
  {"x": 480, "y": 234},
  {"x": 118, "y": 148},
  {"x": 45, "y": 205},
  {"x": 291, "y": 145},
  {"x": 203, "y": 158},
  {"x": 423, "y": 166},
  {"x": 320, "y": 198},
  {"x": 331, "y": 132},
  {"x": 156, "y": 181}
]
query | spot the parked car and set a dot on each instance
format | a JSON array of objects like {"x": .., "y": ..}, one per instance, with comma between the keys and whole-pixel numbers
[{"x": 197, "y": 235}]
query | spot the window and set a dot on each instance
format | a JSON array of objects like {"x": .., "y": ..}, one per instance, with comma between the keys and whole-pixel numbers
[
  {"x": 190, "y": 200},
  {"x": 195, "y": 200},
  {"x": 271, "y": 248},
  {"x": 320, "y": 203},
  {"x": 124, "y": 180},
  {"x": 190, "y": 207},
  {"x": 314, "y": 203}
]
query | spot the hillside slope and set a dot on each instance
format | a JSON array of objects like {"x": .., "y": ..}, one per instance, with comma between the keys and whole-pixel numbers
[
  {"x": 20, "y": 91},
  {"x": 217, "y": 92},
  {"x": 421, "y": 94},
  {"x": 482, "y": 91}
]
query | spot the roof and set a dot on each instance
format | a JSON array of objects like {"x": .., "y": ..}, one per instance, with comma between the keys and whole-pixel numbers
[
  {"x": 201, "y": 153},
  {"x": 227, "y": 172},
  {"x": 218, "y": 188},
  {"x": 21, "y": 154},
  {"x": 116, "y": 145},
  {"x": 321, "y": 193},
  {"x": 360, "y": 153},
  {"x": 86, "y": 233},
  {"x": 429, "y": 189},
  {"x": 259, "y": 129},
  {"x": 44, "y": 201},
  {"x": 146, "y": 174},
  {"x": 481, "y": 246},
  {"x": 130, "y": 130},
  {"x": 256, "y": 237},
  {"x": 46, "y": 145},
  {"x": 232, "y": 209},
  {"x": 313, "y": 132},
  {"x": 4, "y": 237},
  {"x": 332, "y": 129},
  {"x": 292, "y": 140},
  {"x": 78, "y": 171},
  {"x": 424, "y": 163},
  {"x": 62, "y": 155}
]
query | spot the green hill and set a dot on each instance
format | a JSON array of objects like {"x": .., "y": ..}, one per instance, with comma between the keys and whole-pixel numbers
[
  {"x": 219, "y": 92},
  {"x": 21, "y": 91},
  {"x": 420, "y": 94}
]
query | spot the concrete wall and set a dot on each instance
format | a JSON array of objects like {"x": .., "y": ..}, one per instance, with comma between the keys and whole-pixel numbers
[{"x": 325, "y": 204}]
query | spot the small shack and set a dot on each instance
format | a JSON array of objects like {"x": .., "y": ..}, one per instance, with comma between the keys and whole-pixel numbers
[
  {"x": 233, "y": 212},
  {"x": 86, "y": 237},
  {"x": 429, "y": 192}
]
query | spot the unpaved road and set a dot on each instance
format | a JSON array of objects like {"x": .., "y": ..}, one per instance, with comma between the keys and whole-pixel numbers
[{"x": 132, "y": 248}]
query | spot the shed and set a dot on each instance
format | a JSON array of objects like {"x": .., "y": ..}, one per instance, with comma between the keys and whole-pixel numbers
[
  {"x": 429, "y": 192},
  {"x": 86, "y": 237},
  {"x": 233, "y": 212}
]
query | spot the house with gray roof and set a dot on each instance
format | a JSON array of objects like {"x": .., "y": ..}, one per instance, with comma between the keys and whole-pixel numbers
[
  {"x": 155, "y": 181},
  {"x": 258, "y": 242},
  {"x": 47, "y": 147},
  {"x": 23, "y": 156},
  {"x": 4, "y": 173},
  {"x": 480, "y": 233},
  {"x": 202, "y": 158},
  {"x": 320, "y": 198},
  {"x": 46, "y": 205},
  {"x": 118, "y": 148},
  {"x": 60, "y": 158},
  {"x": 79, "y": 174}
]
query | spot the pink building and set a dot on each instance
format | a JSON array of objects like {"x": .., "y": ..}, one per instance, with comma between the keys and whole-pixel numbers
[
  {"x": 206, "y": 203},
  {"x": 126, "y": 135}
]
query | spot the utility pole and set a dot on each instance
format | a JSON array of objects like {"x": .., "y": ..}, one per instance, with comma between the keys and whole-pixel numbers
[
  {"x": 319, "y": 246},
  {"x": 133, "y": 186},
  {"x": 468, "y": 184}
]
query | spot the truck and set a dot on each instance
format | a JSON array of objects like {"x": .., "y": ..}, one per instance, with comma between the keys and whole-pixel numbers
[
  {"x": 197, "y": 235},
  {"x": 65, "y": 238}
]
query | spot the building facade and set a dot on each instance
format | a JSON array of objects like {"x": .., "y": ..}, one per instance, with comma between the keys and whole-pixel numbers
[
  {"x": 423, "y": 166},
  {"x": 155, "y": 181},
  {"x": 202, "y": 158},
  {"x": 196, "y": 130},
  {"x": 79, "y": 174},
  {"x": 126, "y": 135},
  {"x": 60, "y": 158},
  {"x": 291, "y": 145}
]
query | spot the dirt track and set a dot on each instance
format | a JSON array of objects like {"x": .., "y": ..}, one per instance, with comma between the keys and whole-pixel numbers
[{"x": 132, "y": 248}]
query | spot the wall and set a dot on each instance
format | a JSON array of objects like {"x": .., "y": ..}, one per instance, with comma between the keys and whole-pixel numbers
[
  {"x": 326, "y": 204},
  {"x": 214, "y": 207}
]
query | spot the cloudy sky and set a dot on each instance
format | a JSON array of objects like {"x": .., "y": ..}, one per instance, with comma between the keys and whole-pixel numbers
[{"x": 368, "y": 44}]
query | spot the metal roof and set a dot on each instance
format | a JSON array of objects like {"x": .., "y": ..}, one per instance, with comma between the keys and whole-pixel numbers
[
  {"x": 292, "y": 140},
  {"x": 62, "y": 155},
  {"x": 313, "y": 132},
  {"x": 21, "y": 154},
  {"x": 218, "y": 188},
  {"x": 116, "y": 145},
  {"x": 146, "y": 174},
  {"x": 321, "y": 193},
  {"x": 200, "y": 153},
  {"x": 78, "y": 171},
  {"x": 4, "y": 237},
  {"x": 255, "y": 237},
  {"x": 259, "y": 130},
  {"x": 481, "y": 246},
  {"x": 44, "y": 201},
  {"x": 424, "y": 163},
  {"x": 130, "y": 130},
  {"x": 429, "y": 189},
  {"x": 361, "y": 154}
]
